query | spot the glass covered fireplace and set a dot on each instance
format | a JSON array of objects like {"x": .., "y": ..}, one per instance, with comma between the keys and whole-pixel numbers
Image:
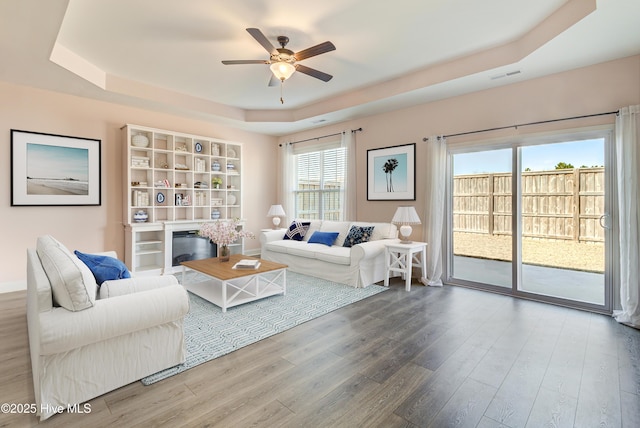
[{"x": 188, "y": 245}]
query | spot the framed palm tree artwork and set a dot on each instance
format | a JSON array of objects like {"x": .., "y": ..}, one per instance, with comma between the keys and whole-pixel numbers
[{"x": 391, "y": 173}]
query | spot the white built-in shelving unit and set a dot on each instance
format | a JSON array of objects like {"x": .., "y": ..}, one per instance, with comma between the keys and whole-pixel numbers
[{"x": 171, "y": 177}]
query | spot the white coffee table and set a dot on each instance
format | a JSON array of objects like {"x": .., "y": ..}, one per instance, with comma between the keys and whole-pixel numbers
[
  {"x": 399, "y": 258},
  {"x": 220, "y": 284}
]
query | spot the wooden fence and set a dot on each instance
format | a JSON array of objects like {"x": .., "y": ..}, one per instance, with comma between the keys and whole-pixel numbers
[{"x": 559, "y": 204}]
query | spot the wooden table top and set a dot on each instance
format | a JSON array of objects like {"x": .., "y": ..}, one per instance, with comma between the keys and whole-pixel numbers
[{"x": 224, "y": 270}]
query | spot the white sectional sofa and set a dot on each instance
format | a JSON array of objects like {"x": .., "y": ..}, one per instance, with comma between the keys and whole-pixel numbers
[
  {"x": 82, "y": 345},
  {"x": 359, "y": 266}
]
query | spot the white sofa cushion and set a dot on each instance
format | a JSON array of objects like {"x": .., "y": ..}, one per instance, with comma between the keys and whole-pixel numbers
[
  {"x": 72, "y": 283},
  {"x": 334, "y": 254},
  {"x": 281, "y": 246},
  {"x": 342, "y": 227},
  {"x": 304, "y": 249}
]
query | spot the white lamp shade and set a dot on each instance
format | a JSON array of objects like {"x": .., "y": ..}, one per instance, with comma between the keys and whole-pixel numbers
[
  {"x": 405, "y": 216},
  {"x": 282, "y": 70},
  {"x": 275, "y": 210}
]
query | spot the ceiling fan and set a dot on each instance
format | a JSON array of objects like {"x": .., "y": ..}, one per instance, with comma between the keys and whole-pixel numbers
[{"x": 283, "y": 62}]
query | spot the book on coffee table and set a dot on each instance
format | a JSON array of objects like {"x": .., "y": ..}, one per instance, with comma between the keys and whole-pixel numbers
[{"x": 247, "y": 264}]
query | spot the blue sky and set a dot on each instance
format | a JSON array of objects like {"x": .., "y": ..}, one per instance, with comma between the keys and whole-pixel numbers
[
  {"x": 48, "y": 161},
  {"x": 538, "y": 158}
]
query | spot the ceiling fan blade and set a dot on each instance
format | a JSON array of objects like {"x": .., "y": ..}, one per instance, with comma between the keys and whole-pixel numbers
[
  {"x": 314, "y": 50},
  {"x": 262, "y": 39},
  {"x": 273, "y": 80},
  {"x": 313, "y": 72},
  {"x": 245, "y": 61}
]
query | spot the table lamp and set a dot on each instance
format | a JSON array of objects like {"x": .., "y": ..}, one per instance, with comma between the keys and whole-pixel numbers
[
  {"x": 405, "y": 216},
  {"x": 276, "y": 211}
]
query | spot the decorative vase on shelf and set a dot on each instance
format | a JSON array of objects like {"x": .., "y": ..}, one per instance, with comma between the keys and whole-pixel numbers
[
  {"x": 224, "y": 253},
  {"x": 140, "y": 216},
  {"x": 215, "y": 214},
  {"x": 215, "y": 149},
  {"x": 215, "y": 166},
  {"x": 140, "y": 140}
]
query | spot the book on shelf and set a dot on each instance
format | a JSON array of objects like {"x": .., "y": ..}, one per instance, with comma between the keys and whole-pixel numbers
[{"x": 247, "y": 264}]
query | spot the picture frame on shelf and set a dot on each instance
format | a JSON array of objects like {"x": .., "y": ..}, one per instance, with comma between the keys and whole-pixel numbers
[
  {"x": 51, "y": 169},
  {"x": 391, "y": 173}
]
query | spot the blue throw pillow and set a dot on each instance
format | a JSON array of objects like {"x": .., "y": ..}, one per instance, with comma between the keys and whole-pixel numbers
[
  {"x": 358, "y": 235},
  {"x": 297, "y": 230},
  {"x": 326, "y": 238},
  {"x": 104, "y": 268}
]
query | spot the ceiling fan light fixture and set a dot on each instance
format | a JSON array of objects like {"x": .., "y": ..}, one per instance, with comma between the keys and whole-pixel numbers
[{"x": 282, "y": 70}]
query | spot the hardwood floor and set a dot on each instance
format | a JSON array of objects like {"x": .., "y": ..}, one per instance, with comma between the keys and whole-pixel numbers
[{"x": 432, "y": 357}]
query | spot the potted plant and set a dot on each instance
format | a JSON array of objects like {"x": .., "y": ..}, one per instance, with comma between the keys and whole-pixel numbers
[{"x": 216, "y": 181}]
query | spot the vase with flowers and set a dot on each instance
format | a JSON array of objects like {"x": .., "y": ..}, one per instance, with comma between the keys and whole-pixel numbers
[
  {"x": 216, "y": 181},
  {"x": 224, "y": 233}
]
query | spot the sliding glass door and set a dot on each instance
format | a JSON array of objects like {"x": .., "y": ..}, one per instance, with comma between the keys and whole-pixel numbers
[
  {"x": 564, "y": 220},
  {"x": 482, "y": 217},
  {"x": 532, "y": 218}
]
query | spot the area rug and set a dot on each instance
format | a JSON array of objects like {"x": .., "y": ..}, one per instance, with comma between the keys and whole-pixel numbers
[{"x": 210, "y": 333}]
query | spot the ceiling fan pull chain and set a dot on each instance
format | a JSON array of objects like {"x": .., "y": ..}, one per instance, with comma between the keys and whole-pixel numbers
[{"x": 281, "y": 85}]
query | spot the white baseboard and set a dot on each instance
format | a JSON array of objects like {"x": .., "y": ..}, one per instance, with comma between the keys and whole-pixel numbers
[{"x": 8, "y": 287}]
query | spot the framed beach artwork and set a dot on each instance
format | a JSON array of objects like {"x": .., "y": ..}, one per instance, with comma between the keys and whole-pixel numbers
[
  {"x": 391, "y": 173},
  {"x": 48, "y": 169}
]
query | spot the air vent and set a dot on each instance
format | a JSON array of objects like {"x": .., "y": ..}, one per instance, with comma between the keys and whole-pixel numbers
[{"x": 509, "y": 74}]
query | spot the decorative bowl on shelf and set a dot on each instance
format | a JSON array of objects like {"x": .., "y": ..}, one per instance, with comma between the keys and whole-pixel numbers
[
  {"x": 231, "y": 199},
  {"x": 140, "y": 216},
  {"x": 140, "y": 140}
]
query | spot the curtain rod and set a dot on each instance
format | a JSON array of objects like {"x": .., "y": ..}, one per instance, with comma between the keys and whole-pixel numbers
[
  {"x": 323, "y": 136},
  {"x": 526, "y": 124}
]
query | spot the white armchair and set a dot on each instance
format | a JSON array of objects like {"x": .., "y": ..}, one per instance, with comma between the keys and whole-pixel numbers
[{"x": 133, "y": 330}]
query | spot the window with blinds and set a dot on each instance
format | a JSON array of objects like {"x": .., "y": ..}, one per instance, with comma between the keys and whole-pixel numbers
[{"x": 320, "y": 183}]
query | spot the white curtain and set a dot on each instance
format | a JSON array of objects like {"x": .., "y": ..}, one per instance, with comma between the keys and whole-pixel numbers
[
  {"x": 434, "y": 209},
  {"x": 349, "y": 193},
  {"x": 628, "y": 170},
  {"x": 287, "y": 183}
]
